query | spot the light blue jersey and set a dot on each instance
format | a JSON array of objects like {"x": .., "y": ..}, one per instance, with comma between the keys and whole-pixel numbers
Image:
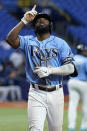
[
  {"x": 81, "y": 66},
  {"x": 52, "y": 51}
]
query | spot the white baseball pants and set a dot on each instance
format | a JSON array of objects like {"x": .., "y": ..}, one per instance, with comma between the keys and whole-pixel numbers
[
  {"x": 41, "y": 105},
  {"x": 77, "y": 90}
]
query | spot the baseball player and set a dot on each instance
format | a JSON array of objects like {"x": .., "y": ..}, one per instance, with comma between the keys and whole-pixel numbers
[
  {"x": 48, "y": 58},
  {"x": 78, "y": 90}
]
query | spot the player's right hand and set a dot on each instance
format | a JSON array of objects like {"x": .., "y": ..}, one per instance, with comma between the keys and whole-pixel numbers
[
  {"x": 29, "y": 15},
  {"x": 43, "y": 71}
]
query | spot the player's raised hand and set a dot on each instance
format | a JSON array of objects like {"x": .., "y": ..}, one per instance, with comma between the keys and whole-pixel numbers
[{"x": 29, "y": 15}]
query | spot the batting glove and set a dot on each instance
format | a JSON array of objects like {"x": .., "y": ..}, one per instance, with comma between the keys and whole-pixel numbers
[
  {"x": 43, "y": 71},
  {"x": 29, "y": 15}
]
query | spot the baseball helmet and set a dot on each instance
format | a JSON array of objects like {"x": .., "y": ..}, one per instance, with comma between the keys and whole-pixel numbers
[
  {"x": 41, "y": 15},
  {"x": 81, "y": 47}
]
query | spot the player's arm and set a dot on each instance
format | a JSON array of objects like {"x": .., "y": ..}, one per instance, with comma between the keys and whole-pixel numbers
[
  {"x": 63, "y": 70},
  {"x": 12, "y": 37}
]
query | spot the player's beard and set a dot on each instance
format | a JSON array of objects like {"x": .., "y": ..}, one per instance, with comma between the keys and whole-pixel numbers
[{"x": 40, "y": 30}]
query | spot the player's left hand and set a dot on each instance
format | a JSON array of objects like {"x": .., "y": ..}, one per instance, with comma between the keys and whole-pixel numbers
[{"x": 43, "y": 71}]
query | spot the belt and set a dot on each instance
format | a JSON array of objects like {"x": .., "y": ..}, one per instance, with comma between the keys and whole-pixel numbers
[{"x": 47, "y": 88}]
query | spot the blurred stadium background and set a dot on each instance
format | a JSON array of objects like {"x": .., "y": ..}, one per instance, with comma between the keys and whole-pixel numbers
[{"x": 70, "y": 23}]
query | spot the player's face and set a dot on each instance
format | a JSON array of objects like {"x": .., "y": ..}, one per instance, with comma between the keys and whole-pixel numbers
[
  {"x": 43, "y": 22},
  {"x": 42, "y": 26}
]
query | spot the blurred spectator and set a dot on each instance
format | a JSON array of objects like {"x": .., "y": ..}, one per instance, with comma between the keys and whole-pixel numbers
[
  {"x": 12, "y": 64},
  {"x": 1, "y": 67},
  {"x": 17, "y": 60},
  {"x": 78, "y": 90},
  {"x": 13, "y": 91},
  {"x": 5, "y": 51},
  {"x": 12, "y": 72},
  {"x": 1, "y": 6}
]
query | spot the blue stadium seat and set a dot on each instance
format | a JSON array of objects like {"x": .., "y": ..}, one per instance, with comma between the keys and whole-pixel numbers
[
  {"x": 77, "y": 9},
  {"x": 10, "y": 4},
  {"x": 79, "y": 32}
]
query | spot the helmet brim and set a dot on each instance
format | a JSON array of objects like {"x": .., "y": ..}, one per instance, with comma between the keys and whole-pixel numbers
[{"x": 40, "y": 15}]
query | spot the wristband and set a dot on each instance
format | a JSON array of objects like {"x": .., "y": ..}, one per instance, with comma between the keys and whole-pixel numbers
[{"x": 24, "y": 21}]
